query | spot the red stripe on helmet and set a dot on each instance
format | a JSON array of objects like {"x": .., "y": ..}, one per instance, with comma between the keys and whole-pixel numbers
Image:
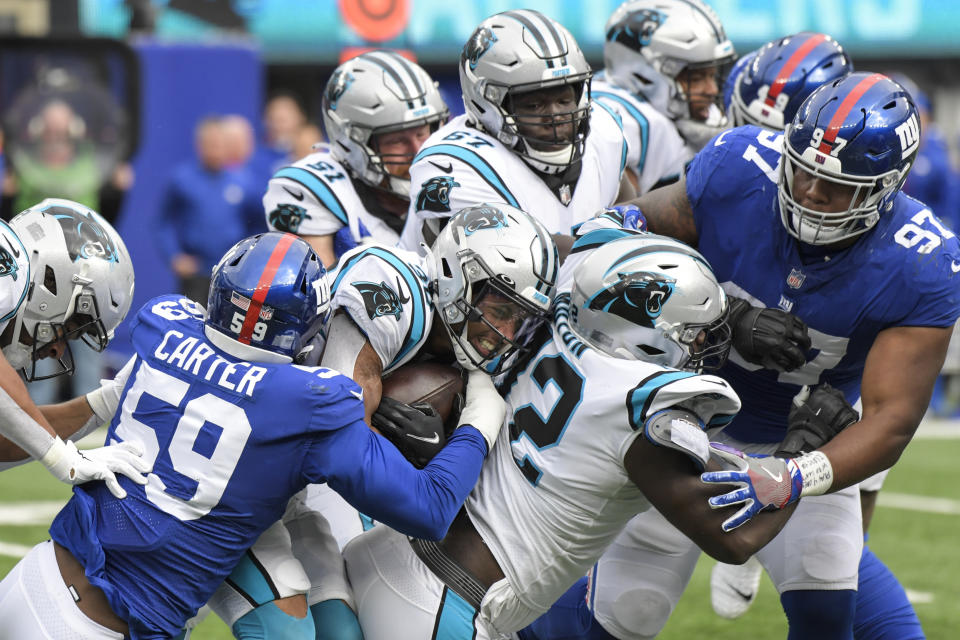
[
  {"x": 792, "y": 63},
  {"x": 830, "y": 135},
  {"x": 263, "y": 287}
]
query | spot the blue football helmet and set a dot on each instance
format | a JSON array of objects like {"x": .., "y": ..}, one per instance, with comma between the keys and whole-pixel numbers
[
  {"x": 735, "y": 72},
  {"x": 861, "y": 131},
  {"x": 269, "y": 298},
  {"x": 781, "y": 75}
]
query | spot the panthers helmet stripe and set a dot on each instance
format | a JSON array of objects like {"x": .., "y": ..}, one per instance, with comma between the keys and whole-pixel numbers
[
  {"x": 391, "y": 64},
  {"x": 792, "y": 63},
  {"x": 711, "y": 17},
  {"x": 529, "y": 20},
  {"x": 407, "y": 68},
  {"x": 263, "y": 286},
  {"x": 830, "y": 135}
]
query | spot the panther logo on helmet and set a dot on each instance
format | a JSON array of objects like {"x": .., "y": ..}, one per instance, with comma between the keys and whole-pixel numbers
[
  {"x": 339, "y": 82},
  {"x": 636, "y": 29},
  {"x": 481, "y": 40},
  {"x": 288, "y": 217},
  {"x": 8, "y": 266},
  {"x": 380, "y": 299},
  {"x": 638, "y": 297},
  {"x": 481, "y": 217},
  {"x": 435, "y": 194},
  {"x": 84, "y": 236}
]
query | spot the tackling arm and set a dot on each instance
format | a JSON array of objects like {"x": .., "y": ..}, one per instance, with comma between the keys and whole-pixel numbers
[
  {"x": 668, "y": 212},
  {"x": 897, "y": 383},
  {"x": 12, "y": 433},
  {"x": 671, "y": 481},
  {"x": 349, "y": 352}
]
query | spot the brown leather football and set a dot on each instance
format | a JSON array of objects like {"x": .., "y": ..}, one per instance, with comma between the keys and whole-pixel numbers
[{"x": 437, "y": 384}]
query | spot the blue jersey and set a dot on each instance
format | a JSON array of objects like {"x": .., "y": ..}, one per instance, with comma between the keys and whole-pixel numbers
[
  {"x": 231, "y": 441},
  {"x": 901, "y": 273}
]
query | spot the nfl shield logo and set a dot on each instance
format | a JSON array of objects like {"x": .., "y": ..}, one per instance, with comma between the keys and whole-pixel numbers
[{"x": 795, "y": 279}]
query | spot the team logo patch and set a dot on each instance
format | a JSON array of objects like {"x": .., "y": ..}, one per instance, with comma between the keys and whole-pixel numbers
[
  {"x": 435, "y": 194},
  {"x": 287, "y": 217},
  {"x": 638, "y": 297},
  {"x": 482, "y": 217},
  {"x": 244, "y": 303},
  {"x": 380, "y": 299},
  {"x": 84, "y": 235},
  {"x": 8, "y": 265},
  {"x": 795, "y": 279},
  {"x": 636, "y": 28},
  {"x": 338, "y": 85},
  {"x": 481, "y": 40}
]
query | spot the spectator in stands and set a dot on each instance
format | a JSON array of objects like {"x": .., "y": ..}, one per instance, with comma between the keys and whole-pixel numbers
[{"x": 205, "y": 210}]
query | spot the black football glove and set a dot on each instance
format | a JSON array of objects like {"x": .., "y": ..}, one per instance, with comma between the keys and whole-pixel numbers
[
  {"x": 771, "y": 338},
  {"x": 815, "y": 418},
  {"x": 416, "y": 430}
]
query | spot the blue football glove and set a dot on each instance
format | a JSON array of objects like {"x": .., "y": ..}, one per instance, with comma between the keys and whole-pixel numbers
[
  {"x": 763, "y": 483},
  {"x": 627, "y": 216}
]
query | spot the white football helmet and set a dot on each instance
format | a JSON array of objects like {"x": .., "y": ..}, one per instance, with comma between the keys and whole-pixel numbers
[
  {"x": 651, "y": 298},
  {"x": 81, "y": 283},
  {"x": 517, "y": 52},
  {"x": 649, "y": 42},
  {"x": 499, "y": 249},
  {"x": 378, "y": 92}
]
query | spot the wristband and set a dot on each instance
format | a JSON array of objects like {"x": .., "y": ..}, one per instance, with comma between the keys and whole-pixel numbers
[{"x": 816, "y": 473}]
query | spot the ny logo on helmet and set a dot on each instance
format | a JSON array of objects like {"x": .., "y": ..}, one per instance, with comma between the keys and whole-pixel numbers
[
  {"x": 638, "y": 297},
  {"x": 380, "y": 299},
  {"x": 435, "y": 194},
  {"x": 338, "y": 85},
  {"x": 636, "y": 28},
  {"x": 909, "y": 134},
  {"x": 84, "y": 236},
  {"x": 481, "y": 40},
  {"x": 8, "y": 266},
  {"x": 481, "y": 217},
  {"x": 287, "y": 217}
]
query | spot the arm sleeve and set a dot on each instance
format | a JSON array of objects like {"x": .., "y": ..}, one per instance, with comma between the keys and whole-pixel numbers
[{"x": 374, "y": 477}]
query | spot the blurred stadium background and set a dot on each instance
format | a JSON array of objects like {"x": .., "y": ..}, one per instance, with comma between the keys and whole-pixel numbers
[{"x": 141, "y": 74}]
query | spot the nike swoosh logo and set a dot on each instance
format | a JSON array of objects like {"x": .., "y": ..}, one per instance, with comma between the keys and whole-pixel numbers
[
  {"x": 719, "y": 141},
  {"x": 445, "y": 169},
  {"x": 357, "y": 394},
  {"x": 745, "y": 596},
  {"x": 434, "y": 440},
  {"x": 778, "y": 477},
  {"x": 954, "y": 266},
  {"x": 297, "y": 195},
  {"x": 16, "y": 252}
]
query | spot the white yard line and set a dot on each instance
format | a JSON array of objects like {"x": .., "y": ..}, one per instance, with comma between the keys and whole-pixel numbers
[{"x": 944, "y": 506}]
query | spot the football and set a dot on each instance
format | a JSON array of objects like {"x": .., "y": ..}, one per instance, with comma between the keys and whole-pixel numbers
[{"x": 439, "y": 385}]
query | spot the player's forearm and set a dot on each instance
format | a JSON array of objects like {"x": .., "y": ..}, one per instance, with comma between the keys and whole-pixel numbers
[
  {"x": 867, "y": 448},
  {"x": 67, "y": 418},
  {"x": 23, "y": 428}
]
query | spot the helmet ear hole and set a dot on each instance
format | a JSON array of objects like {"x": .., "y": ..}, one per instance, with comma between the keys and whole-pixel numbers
[{"x": 50, "y": 280}]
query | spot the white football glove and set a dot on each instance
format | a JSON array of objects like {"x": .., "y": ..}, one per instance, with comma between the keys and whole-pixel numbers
[
  {"x": 484, "y": 409},
  {"x": 72, "y": 466},
  {"x": 105, "y": 399}
]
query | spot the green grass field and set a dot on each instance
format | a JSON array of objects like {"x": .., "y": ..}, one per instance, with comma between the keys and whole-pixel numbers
[{"x": 918, "y": 545}]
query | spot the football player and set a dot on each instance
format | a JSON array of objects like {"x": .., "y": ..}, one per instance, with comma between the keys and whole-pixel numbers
[
  {"x": 766, "y": 87},
  {"x": 488, "y": 280},
  {"x": 663, "y": 62},
  {"x": 606, "y": 417},
  {"x": 233, "y": 428},
  {"x": 871, "y": 272},
  {"x": 530, "y": 137},
  {"x": 378, "y": 109},
  {"x": 65, "y": 275}
]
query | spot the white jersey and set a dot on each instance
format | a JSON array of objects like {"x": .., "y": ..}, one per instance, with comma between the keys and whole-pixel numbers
[
  {"x": 384, "y": 290},
  {"x": 655, "y": 150},
  {"x": 315, "y": 196},
  {"x": 554, "y": 492},
  {"x": 460, "y": 166},
  {"x": 14, "y": 274}
]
